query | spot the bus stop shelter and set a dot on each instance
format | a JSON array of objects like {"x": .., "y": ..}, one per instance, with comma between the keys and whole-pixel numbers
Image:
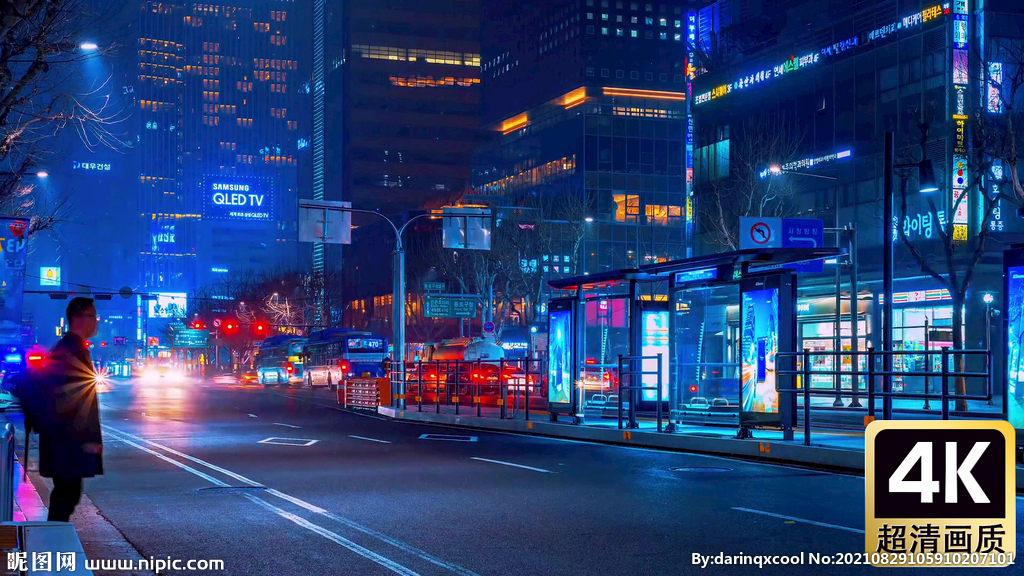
[{"x": 718, "y": 323}]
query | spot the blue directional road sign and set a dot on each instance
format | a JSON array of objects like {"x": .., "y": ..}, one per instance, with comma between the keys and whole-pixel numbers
[{"x": 804, "y": 233}]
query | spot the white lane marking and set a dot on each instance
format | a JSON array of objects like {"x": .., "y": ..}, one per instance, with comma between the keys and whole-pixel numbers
[
  {"x": 364, "y": 552},
  {"x": 287, "y": 425},
  {"x": 448, "y": 437},
  {"x": 252, "y": 416},
  {"x": 423, "y": 555},
  {"x": 288, "y": 441},
  {"x": 368, "y": 439},
  {"x": 802, "y": 520},
  {"x": 513, "y": 465}
]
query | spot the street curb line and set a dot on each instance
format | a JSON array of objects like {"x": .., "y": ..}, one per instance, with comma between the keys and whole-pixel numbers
[{"x": 832, "y": 459}]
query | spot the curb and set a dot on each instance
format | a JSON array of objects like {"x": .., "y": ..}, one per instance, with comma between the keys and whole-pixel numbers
[
  {"x": 28, "y": 505},
  {"x": 835, "y": 459}
]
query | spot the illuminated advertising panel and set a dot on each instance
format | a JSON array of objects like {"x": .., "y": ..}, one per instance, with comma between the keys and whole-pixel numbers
[
  {"x": 14, "y": 245},
  {"x": 167, "y": 305},
  {"x": 760, "y": 347},
  {"x": 1013, "y": 293},
  {"x": 49, "y": 276},
  {"x": 654, "y": 342},
  {"x": 238, "y": 199},
  {"x": 560, "y": 356}
]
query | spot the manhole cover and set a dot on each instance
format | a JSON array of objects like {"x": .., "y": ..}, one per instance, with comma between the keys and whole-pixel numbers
[
  {"x": 230, "y": 489},
  {"x": 701, "y": 469}
]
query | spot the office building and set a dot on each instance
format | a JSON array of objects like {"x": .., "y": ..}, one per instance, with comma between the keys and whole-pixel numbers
[
  {"x": 587, "y": 101},
  {"x": 834, "y": 78},
  {"x": 222, "y": 91},
  {"x": 400, "y": 104}
]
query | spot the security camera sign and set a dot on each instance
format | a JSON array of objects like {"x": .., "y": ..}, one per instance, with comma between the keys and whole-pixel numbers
[{"x": 236, "y": 199}]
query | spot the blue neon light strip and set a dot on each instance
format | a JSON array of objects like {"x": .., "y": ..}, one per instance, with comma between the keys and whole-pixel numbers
[{"x": 795, "y": 62}]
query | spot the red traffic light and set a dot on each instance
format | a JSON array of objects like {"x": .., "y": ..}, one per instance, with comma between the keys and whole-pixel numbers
[
  {"x": 230, "y": 327},
  {"x": 260, "y": 329},
  {"x": 693, "y": 388},
  {"x": 289, "y": 368},
  {"x": 198, "y": 325},
  {"x": 103, "y": 344}
]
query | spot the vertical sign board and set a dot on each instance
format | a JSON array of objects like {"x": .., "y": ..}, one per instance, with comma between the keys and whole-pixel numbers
[
  {"x": 768, "y": 326},
  {"x": 1013, "y": 328},
  {"x": 960, "y": 67},
  {"x": 939, "y": 493},
  {"x": 560, "y": 352},
  {"x": 654, "y": 339},
  {"x": 14, "y": 245}
]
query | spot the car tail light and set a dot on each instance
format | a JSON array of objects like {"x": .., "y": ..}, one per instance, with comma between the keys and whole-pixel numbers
[
  {"x": 343, "y": 365},
  {"x": 290, "y": 368}
]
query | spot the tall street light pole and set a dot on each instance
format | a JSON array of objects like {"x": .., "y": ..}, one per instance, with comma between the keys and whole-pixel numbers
[{"x": 928, "y": 184}]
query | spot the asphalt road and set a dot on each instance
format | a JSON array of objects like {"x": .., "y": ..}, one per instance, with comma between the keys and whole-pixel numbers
[{"x": 282, "y": 482}]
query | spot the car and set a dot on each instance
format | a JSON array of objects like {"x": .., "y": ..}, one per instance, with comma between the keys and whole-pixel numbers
[{"x": 249, "y": 378}]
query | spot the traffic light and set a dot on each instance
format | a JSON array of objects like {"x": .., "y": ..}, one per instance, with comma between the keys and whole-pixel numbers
[
  {"x": 103, "y": 344},
  {"x": 230, "y": 327},
  {"x": 260, "y": 329},
  {"x": 198, "y": 324}
]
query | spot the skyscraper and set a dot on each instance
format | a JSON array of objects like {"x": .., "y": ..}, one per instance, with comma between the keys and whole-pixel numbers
[
  {"x": 221, "y": 92},
  {"x": 587, "y": 100},
  {"x": 401, "y": 100}
]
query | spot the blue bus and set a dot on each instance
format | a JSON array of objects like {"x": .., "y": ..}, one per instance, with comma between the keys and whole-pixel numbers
[
  {"x": 280, "y": 360},
  {"x": 335, "y": 354}
]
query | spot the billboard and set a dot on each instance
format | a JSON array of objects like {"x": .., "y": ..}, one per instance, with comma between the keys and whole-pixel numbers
[
  {"x": 238, "y": 199},
  {"x": 167, "y": 305},
  {"x": 14, "y": 245},
  {"x": 49, "y": 276},
  {"x": 654, "y": 342},
  {"x": 560, "y": 356}
]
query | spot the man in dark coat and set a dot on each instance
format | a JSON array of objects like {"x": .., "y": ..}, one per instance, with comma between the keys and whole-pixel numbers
[{"x": 71, "y": 443}]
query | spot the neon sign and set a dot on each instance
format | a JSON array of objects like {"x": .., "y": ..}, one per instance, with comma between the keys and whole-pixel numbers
[
  {"x": 807, "y": 162},
  {"x": 936, "y": 295},
  {"x": 958, "y": 197},
  {"x": 995, "y": 85},
  {"x": 795, "y": 63},
  {"x": 96, "y": 166}
]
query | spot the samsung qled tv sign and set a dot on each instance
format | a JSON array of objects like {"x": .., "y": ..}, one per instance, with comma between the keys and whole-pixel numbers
[{"x": 238, "y": 200}]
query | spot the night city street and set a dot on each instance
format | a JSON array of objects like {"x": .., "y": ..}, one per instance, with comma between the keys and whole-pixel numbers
[
  {"x": 189, "y": 477},
  {"x": 503, "y": 287}
]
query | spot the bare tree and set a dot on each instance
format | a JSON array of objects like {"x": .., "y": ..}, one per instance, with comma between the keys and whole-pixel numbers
[
  {"x": 740, "y": 183},
  {"x": 954, "y": 258},
  {"x": 40, "y": 60}
]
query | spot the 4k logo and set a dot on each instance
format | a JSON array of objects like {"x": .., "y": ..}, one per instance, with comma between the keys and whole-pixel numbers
[{"x": 940, "y": 487}]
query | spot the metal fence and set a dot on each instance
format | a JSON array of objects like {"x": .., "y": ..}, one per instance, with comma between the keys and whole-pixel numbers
[
  {"x": 505, "y": 385},
  {"x": 878, "y": 376}
]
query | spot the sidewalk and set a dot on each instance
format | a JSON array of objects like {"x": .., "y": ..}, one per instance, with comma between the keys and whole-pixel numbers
[{"x": 99, "y": 538}]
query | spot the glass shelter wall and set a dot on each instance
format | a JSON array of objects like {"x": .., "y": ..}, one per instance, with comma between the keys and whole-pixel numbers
[
  {"x": 605, "y": 337},
  {"x": 706, "y": 348}
]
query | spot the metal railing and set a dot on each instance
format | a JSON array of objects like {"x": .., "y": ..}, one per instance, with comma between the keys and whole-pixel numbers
[
  {"x": 501, "y": 382},
  {"x": 632, "y": 367},
  {"x": 7, "y": 474},
  {"x": 871, "y": 373}
]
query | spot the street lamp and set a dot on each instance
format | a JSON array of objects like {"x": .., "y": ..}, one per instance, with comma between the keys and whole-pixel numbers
[
  {"x": 926, "y": 178},
  {"x": 88, "y": 46},
  {"x": 588, "y": 219},
  {"x": 40, "y": 174}
]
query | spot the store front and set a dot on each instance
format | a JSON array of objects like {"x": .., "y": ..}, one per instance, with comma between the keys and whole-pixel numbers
[
  {"x": 816, "y": 327},
  {"x": 922, "y": 319}
]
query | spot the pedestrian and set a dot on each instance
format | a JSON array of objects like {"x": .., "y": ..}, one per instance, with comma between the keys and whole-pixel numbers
[{"x": 71, "y": 444}]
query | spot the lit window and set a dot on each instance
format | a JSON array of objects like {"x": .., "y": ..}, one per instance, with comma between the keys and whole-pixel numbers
[
  {"x": 590, "y": 15},
  {"x": 649, "y": 21},
  {"x": 627, "y": 207},
  {"x": 618, "y": 31},
  {"x": 663, "y": 36},
  {"x": 633, "y": 20},
  {"x": 604, "y": 17},
  {"x": 632, "y": 33},
  {"x": 604, "y": 31},
  {"x": 663, "y": 22},
  {"x": 678, "y": 24},
  {"x": 618, "y": 18},
  {"x": 677, "y": 37}
]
